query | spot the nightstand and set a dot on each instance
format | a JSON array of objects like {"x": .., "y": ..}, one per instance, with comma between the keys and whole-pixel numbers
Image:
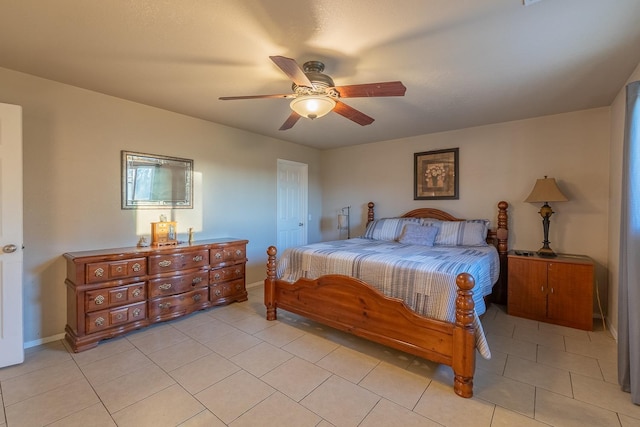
[{"x": 556, "y": 290}]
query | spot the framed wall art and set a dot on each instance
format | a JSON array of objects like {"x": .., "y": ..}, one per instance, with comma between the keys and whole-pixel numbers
[
  {"x": 436, "y": 175},
  {"x": 151, "y": 181}
]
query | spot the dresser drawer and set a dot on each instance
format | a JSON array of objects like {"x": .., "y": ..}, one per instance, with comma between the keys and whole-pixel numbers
[
  {"x": 226, "y": 273},
  {"x": 104, "y": 319},
  {"x": 228, "y": 254},
  {"x": 178, "y": 284},
  {"x": 235, "y": 253},
  {"x": 114, "y": 270},
  {"x": 172, "y": 262},
  {"x": 109, "y": 297},
  {"x": 178, "y": 304},
  {"x": 226, "y": 289}
]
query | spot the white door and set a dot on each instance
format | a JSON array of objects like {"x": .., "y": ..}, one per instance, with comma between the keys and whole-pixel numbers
[
  {"x": 11, "y": 342},
  {"x": 292, "y": 204}
]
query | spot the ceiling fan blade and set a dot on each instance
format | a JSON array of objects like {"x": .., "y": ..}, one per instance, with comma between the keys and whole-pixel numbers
[
  {"x": 372, "y": 89},
  {"x": 291, "y": 68},
  {"x": 352, "y": 114},
  {"x": 230, "y": 98},
  {"x": 291, "y": 120}
]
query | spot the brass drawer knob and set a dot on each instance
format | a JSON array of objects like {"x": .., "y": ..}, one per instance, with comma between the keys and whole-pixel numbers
[
  {"x": 119, "y": 295},
  {"x": 196, "y": 280},
  {"x": 136, "y": 267},
  {"x": 197, "y": 258},
  {"x": 216, "y": 276},
  {"x": 99, "y": 321},
  {"x": 99, "y": 272},
  {"x": 164, "y": 263},
  {"x": 137, "y": 292},
  {"x": 197, "y": 297},
  {"x": 136, "y": 312},
  {"x": 99, "y": 299},
  {"x": 165, "y": 286},
  {"x": 164, "y": 305},
  {"x": 119, "y": 269},
  {"x": 218, "y": 292},
  {"x": 238, "y": 252},
  {"x": 218, "y": 255}
]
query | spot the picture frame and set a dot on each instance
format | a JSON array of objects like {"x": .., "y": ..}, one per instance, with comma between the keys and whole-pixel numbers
[
  {"x": 436, "y": 175},
  {"x": 151, "y": 181}
]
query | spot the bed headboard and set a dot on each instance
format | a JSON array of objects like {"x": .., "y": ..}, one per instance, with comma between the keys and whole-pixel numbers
[
  {"x": 431, "y": 213},
  {"x": 497, "y": 236}
]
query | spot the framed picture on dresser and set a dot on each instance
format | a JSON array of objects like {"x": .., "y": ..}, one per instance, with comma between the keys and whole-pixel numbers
[{"x": 436, "y": 175}]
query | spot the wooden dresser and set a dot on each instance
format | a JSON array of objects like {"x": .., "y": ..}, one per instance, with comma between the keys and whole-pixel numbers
[
  {"x": 114, "y": 291},
  {"x": 556, "y": 290}
]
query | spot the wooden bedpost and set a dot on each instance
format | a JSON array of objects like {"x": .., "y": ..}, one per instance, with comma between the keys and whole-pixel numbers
[
  {"x": 370, "y": 214},
  {"x": 464, "y": 340},
  {"x": 270, "y": 284},
  {"x": 499, "y": 294},
  {"x": 502, "y": 232}
]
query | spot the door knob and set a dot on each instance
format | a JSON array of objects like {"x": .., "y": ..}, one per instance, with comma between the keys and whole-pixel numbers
[{"x": 7, "y": 249}]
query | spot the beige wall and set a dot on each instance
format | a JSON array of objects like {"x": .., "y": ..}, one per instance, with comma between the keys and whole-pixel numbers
[
  {"x": 497, "y": 162},
  {"x": 73, "y": 138},
  {"x": 617, "y": 141},
  {"x": 72, "y": 143}
]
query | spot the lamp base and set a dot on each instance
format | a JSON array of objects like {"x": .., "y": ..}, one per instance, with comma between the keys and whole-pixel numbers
[{"x": 546, "y": 252}]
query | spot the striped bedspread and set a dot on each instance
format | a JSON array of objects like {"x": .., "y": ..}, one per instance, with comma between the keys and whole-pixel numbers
[{"x": 422, "y": 276}]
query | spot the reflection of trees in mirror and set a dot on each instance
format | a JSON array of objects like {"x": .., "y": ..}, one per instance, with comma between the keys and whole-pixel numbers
[{"x": 151, "y": 181}]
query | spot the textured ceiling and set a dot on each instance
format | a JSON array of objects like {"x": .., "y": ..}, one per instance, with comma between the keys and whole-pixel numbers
[{"x": 464, "y": 63}]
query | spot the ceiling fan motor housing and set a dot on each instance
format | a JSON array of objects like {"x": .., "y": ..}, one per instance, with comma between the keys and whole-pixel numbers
[{"x": 321, "y": 82}]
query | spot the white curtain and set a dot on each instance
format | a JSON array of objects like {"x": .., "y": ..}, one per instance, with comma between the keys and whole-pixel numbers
[{"x": 629, "y": 285}]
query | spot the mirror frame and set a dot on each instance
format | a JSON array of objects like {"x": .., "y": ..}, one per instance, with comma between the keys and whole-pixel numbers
[{"x": 127, "y": 199}]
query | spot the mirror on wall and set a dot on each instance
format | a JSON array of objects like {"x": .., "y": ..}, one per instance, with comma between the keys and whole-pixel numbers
[{"x": 152, "y": 181}]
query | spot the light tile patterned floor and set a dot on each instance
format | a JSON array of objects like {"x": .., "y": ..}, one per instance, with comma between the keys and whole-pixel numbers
[{"x": 229, "y": 366}]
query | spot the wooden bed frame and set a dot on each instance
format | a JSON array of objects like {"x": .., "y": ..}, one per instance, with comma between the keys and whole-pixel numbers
[{"x": 352, "y": 305}]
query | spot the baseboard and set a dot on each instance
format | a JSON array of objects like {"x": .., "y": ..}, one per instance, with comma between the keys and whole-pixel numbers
[
  {"x": 614, "y": 332},
  {"x": 43, "y": 341}
]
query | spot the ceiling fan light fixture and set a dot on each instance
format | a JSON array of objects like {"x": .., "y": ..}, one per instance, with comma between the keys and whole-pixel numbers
[{"x": 313, "y": 106}]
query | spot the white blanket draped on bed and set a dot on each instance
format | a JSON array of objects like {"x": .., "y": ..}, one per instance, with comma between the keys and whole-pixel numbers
[{"x": 422, "y": 276}]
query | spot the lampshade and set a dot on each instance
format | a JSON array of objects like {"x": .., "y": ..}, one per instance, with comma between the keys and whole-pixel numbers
[
  {"x": 313, "y": 106},
  {"x": 342, "y": 221},
  {"x": 546, "y": 190}
]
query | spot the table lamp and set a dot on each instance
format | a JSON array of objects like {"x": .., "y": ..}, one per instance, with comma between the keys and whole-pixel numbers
[{"x": 544, "y": 191}]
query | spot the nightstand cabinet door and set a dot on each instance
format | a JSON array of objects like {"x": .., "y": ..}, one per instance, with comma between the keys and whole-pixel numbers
[
  {"x": 571, "y": 294},
  {"x": 527, "y": 293}
]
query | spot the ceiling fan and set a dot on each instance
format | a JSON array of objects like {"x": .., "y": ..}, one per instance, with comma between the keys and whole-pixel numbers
[{"x": 315, "y": 95}]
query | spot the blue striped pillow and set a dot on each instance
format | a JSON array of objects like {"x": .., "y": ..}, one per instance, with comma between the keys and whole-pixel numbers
[
  {"x": 463, "y": 233},
  {"x": 388, "y": 228}
]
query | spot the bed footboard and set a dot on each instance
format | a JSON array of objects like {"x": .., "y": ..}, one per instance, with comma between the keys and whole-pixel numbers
[{"x": 353, "y": 306}]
